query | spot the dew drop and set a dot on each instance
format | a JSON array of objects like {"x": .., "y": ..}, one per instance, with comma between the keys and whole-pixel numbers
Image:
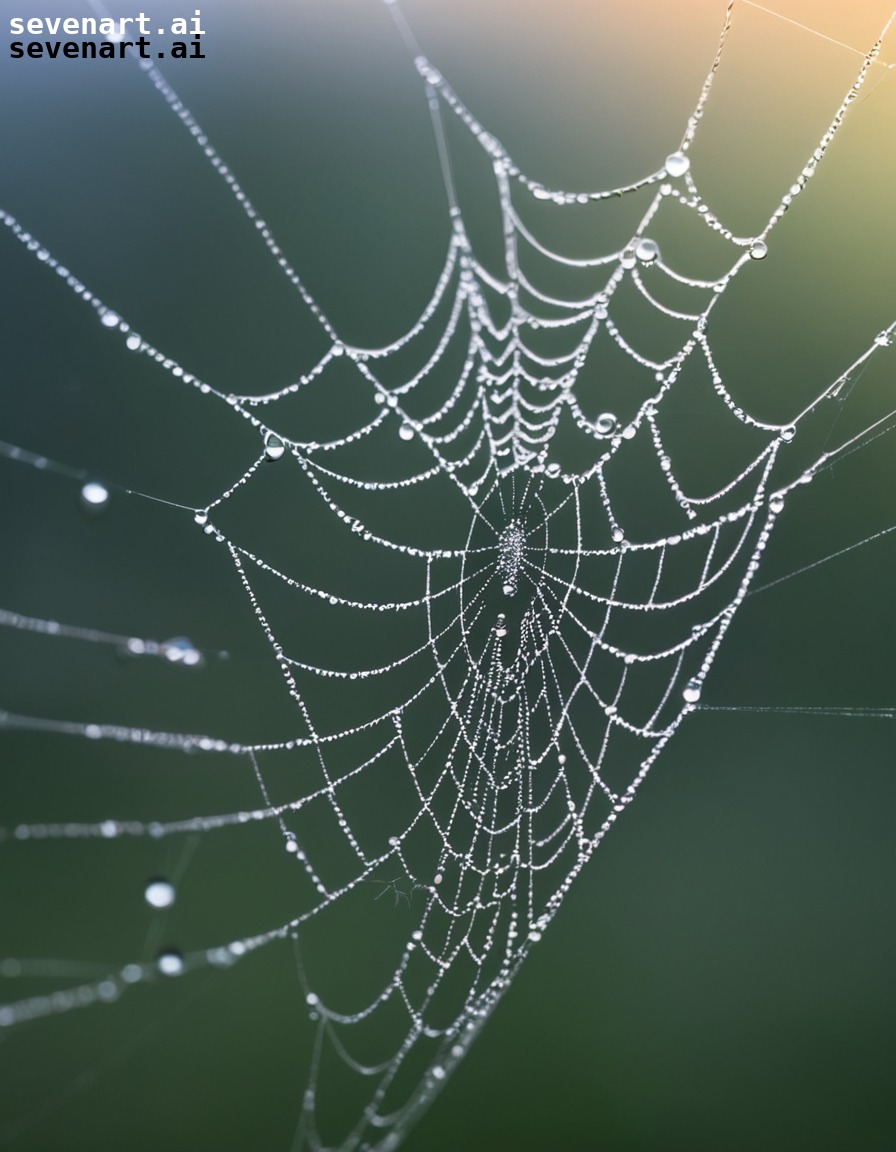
[
  {"x": 677, "y": 164},
  {"x": 181, "y": 650},
  {"x": 883, "y": 340},
  {"x": 201, "y": 518},
  {"x": 133, "y": 342},
  {"x": 406, "y": 432},
  {"x": 605, "y": 424},
  {"x": 170, "y": 962},
  {"x": 553, "y": 469},
  {"x": 647, "y": 251},
  {"x": 758, "y": 250},
  {"x": 95, "y": 496},
  {"x": 692, "y": 691},
  {"x": 273, "y": 446},
  {"x": 788, "y": 433},
  {"x": 776, "y": 503},
  {"x": 617, "y": 535},
  {"x": 628, "y": 258},
  {"x": 159, "y": 894},
  {"x": 110, "y": 319}
]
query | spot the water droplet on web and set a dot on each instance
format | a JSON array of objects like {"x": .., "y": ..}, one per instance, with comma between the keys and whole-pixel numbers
[
  {"x": 884, "y": 340},
  {"x": 159, "y": 894},
  {"x": 273, "y": 446},
  {"x": 692, "y": 691},
  {"x": 647, "y": 251},
  {"x": 170, "y": 962},
  {"x": 617, "y": 535},
  {"x": 406, "y": 432},
  {"x": 759, "y": 250},
  {"x": 181, "y": 650},
  {"x": 776, "y": 503},
  {"x": 110, "y": 319},
  {"x": 788, "y": 433},
  {"x": 95, "y": 496},
  {"x": 201, "y": 518},
  {"x": 133, "y": 342},
  {"x": 628, "y": 259},
  {"x": 677, "y": 164},
  {"x": 553, "y": 469},
  {"x": 606, "y": 424}
]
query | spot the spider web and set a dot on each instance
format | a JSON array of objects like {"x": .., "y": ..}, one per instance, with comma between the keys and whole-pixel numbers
[{"x": 516, "y": 470}]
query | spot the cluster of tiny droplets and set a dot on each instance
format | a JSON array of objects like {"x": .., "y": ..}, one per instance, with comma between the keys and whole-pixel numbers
[{"x": 494, "y": 438}]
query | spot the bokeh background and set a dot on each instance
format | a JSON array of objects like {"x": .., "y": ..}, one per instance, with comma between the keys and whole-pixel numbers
[{"x": 721, "y": 975}]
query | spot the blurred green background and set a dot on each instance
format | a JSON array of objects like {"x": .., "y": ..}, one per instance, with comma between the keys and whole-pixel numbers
[{"x": 721, "y": 975}]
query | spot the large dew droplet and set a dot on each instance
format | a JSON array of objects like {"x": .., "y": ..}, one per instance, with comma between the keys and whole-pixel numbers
[
  {"x": 95, "y": 496},
  {"x": 406, "y": 432},
  {"x": 605, "y": 424},
  {"x": 759, "y": 250},
  {"x": 677, "y": 164},
  {"x": 159, "y": 894},
  {"x": 273, "y": 446},
  {"x": 692, "y": 691},
  {"x": 170, "y": 962},
  {"x": 647, "y": 251}
]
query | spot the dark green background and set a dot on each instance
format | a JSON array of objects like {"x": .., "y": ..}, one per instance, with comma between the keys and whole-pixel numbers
[{"x": 721, "y": 975}]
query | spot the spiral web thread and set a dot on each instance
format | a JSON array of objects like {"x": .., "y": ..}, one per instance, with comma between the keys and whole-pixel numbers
[{"x": 548, "y": 651}]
